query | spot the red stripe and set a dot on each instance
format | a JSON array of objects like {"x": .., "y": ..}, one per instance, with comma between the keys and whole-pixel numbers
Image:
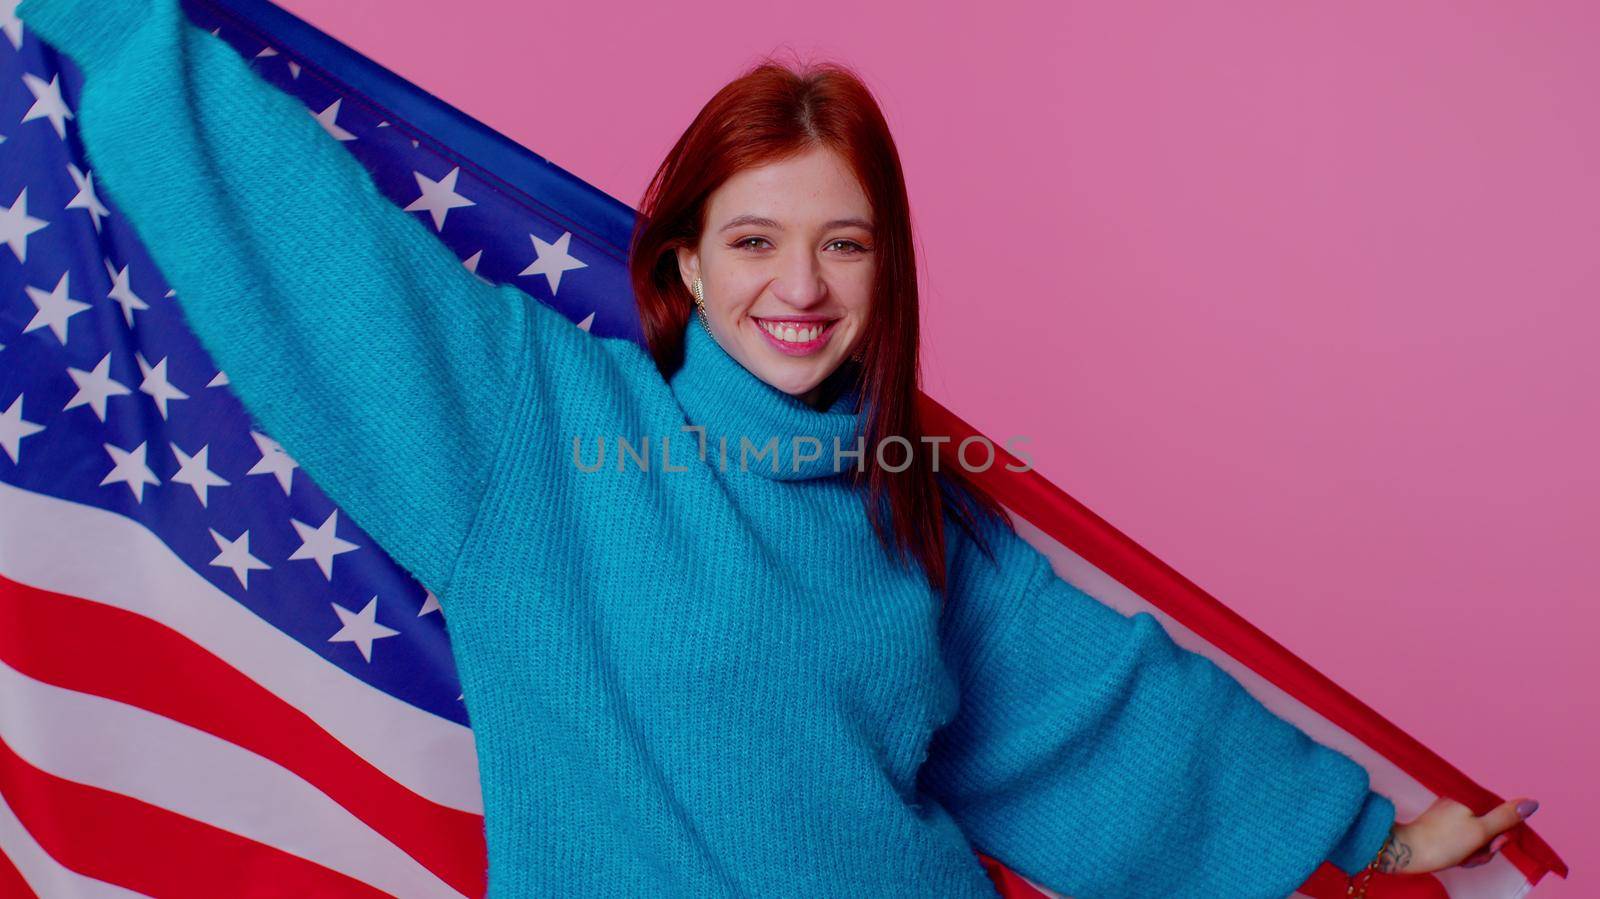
[
  {"x": 1073, "y": 525},
  {"x": 133, "y": 844},
  {"x": 94, "y": 648},
  {"x": 1006, "y": 881}
]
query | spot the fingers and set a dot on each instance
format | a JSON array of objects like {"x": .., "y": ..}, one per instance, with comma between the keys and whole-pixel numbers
[
  {"x": 1497, "y": 820},
  {"x": 1507, "y": 814},
  {"x": 1486, "y": 853}
]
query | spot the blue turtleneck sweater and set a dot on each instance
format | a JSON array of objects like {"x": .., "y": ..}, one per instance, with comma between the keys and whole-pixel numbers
[{"x": 691, "y": 680}]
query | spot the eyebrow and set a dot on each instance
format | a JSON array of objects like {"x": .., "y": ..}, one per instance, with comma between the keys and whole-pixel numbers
[{"x": 763, "y": 222}]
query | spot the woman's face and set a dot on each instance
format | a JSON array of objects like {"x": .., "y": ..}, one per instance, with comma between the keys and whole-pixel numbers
[{"x": 786, "y": 251}]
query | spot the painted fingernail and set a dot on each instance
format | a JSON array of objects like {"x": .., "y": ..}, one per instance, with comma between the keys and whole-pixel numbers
[
  {"x": 1476, "y": 860},
  {"x": 1498, "y": 842},
  {"x": 1524, "y": 809}
]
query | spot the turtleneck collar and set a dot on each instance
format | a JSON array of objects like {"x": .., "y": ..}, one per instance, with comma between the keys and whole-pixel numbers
[{"x": 719, "y": 393}]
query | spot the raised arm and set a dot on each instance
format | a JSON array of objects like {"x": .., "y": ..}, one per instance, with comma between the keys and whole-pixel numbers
[
  {"x": 352, "y": 335},
  {"x": 1096, "y": 757}
]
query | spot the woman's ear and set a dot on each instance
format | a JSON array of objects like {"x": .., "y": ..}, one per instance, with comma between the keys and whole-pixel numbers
[{"x": 688, "y": 267}]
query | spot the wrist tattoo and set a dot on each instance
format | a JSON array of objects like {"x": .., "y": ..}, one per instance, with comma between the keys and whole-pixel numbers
[{"x": 1394, "y": 856}]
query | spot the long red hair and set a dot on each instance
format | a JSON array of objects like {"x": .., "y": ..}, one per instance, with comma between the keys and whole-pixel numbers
[{"x": 770, "y": 113}]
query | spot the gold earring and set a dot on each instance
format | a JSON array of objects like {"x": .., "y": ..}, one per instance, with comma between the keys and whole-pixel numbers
[{"x": 700, "y": 305}]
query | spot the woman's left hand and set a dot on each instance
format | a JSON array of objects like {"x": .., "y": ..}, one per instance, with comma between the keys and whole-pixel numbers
[{"x": 1447, "y": 834}]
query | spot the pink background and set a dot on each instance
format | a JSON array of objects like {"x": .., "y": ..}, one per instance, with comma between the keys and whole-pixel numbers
[{"x": 1302, "y": 297}]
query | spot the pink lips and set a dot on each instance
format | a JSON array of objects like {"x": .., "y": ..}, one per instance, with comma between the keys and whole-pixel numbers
[{"x": 799, "y": 349}]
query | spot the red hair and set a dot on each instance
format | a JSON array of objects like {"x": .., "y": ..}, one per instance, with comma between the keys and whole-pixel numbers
[{"x": 768, "y": 114}]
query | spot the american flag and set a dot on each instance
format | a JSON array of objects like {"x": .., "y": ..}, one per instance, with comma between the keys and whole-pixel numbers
[{"x": 212, "y": 682}]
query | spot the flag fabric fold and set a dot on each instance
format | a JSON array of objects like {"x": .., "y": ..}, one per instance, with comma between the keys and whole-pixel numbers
[{"x": 312, "y": 735}]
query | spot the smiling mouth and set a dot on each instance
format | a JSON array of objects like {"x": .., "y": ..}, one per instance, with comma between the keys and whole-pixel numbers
[
  {"x": 796, "y": 338},
  {"x": 798, "y": 334}
]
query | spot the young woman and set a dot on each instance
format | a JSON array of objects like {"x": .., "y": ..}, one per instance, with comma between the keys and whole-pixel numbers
[{"x": 790, "y": 670}]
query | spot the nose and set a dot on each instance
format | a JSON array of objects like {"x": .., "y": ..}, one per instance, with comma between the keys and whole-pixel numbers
[{"x": 799, "y": 282}]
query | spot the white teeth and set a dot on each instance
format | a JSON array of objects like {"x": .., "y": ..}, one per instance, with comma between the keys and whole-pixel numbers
[{"x": 791, "y": 334}]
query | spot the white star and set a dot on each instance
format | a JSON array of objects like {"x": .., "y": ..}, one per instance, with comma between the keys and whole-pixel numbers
[
  {"x": 16, "y": 224},
  {"x": 266, "y": 51},
  {"x": 294, "y": 69},
  {"x": 156, "y": 384},
  {"x": 431, "y": 604},
  {"x": 219, "y": 380},
  {"x": 553, "y": 259},
  {"x": 472, "y": 266},
  {"x": 361, "y": 628},
  {"x": 587, "y": 323},
  {"x": 86, "y": 198},
  {"x": 438, "y": 197},
  {"x": 328, "y": 119},
  {"x": 54, "y": 306},
  {"x": 192, "y": 470},
  {"x": 274, "y": 461},
  {"x": 95, "y": 387},
  {"x": 129, "y": 469},
  {"x": 236, "y": 555},
  {"x": 13, "y": 428},
  {"x": 47, "y": 102},
  {"x": 122, "y": 292},
  {"x": 321, "y": 543},
  {"x": 10, "y": 23}
]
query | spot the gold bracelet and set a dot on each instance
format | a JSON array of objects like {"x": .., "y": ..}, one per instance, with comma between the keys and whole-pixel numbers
[{"x": 1358, "y": 884}]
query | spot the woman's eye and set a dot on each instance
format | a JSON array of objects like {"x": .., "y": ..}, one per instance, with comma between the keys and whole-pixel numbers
[{"x": 851, "y": 248}]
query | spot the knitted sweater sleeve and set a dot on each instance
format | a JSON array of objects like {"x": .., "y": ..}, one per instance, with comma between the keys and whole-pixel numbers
[
  {"x": 351, "y": 334},
  {"x": 1094, "y": 756}
]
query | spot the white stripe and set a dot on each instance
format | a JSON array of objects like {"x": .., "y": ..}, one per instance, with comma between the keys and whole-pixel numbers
[
  {"x": 42, "y": 873},
  {"x": 67, "y": 547},
  {"x": 195, "y": 774},
  {"x": 1498, "y": 879}
]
